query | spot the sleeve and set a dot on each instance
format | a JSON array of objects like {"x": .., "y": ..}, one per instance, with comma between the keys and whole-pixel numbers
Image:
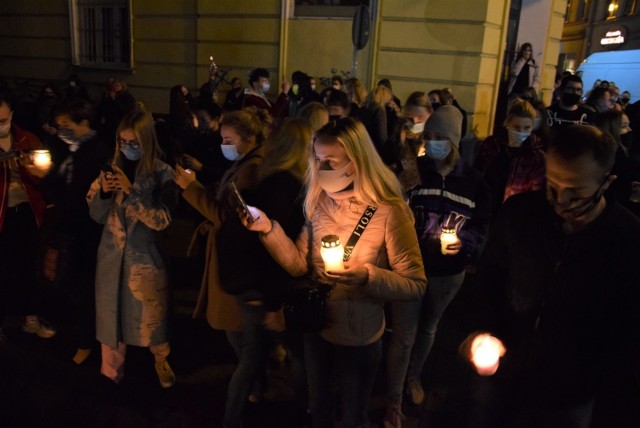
[
  {"x": 516, "y": 67},
  {"x": 280, "y": 107},
  {"x": 291, "y": 256},
  {"x": 153, "y": 206},
  {"x": 98, "y": 208},
  {"x": 473, "y": 232},
  {"x": 202, "y": 200},
  {"x": 405, "y": 280}
]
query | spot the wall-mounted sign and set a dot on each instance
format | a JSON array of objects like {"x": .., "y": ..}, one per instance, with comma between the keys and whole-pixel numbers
[{"x": 614, "y": 36}]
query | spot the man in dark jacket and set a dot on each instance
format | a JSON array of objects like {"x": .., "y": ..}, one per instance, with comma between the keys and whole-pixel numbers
[{"x": 560, "y": 289}]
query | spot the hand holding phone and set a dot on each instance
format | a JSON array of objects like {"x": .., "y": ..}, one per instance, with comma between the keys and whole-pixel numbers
[{"x": 243, "y": 204}]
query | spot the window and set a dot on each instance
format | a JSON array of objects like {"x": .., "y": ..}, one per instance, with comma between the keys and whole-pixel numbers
[
  {"x": 631, "y": 7},
  {"x": 327, "y": 8},
  {"x": 101, "y": 33},
  {"x": 583, "y": 10},
  {"x": 567, "y": 12}
]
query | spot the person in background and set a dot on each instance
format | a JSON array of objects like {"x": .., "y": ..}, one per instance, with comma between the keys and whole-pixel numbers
[
  {"x": 300, "y": 93},
  {"x": 134, "y": 202},
  {"x": 393, "y": 108},
  {"x": 449, "y": 99},
  {"x": 624, "y": 99},
  {"x": 540, "y": 126},
  {"x": 338, "y": 105},
  {"x": 115, "y": 104},
  {"x": 452, "y": 197},
  {"x": 512, "y": 160},
  {"x": 314, "y": 85},
  {"x": 22, "y": 209},
  {"x": 337, "y": 83},
  {"x": 598, "y": 101},
  {"x": 568, "y": 110},
  {"x": 373, "y": 116},
  {"x": 259, "y": 85},
  {"x": 76, "y": 89},
  {"x": 347, "y": 181},
  {"x": 435, "y": 98},
  {"x": 525, "y": 73},
  {"x": 357, "y": 94},
  {"x": 70, "y": 237},
  {"x": 530, "y": 95},
  {"x": 46, "y": 102},
  {"x": 260, "y": 291},
  {"x": 615, "y": 97},
  {"x": 315, "y": 114},
  {"x": 233, "y": 99}
]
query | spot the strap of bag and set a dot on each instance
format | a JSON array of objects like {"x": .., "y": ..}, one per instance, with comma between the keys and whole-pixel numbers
[{"x": 357, "y": 231}]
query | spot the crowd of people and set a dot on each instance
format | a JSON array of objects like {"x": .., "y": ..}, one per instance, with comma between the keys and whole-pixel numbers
[{"x": 543, "y": 224}]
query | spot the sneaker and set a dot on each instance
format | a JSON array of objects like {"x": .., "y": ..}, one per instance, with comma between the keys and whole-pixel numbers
[
  {"x": 415, "y": 391},
  {"x": 165, "y": 375},
  {"x": 393, "y": 416},
  {"x": 33, "y": 325}
]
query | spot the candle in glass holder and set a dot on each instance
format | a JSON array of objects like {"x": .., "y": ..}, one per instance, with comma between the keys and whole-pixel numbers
[
  {"x": 447, "y": 237},
  {"x": 332, "y": 253},
  {"x": 486, "y": 351},
  {"x": 41, "y": 158}
]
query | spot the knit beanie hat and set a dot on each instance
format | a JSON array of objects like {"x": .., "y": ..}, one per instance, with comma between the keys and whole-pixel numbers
[{"x": 446, "y": 120}]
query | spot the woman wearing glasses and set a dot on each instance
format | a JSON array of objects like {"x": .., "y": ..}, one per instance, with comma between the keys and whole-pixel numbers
[
  {"x": 350, "y": 192},
  {"x": 134, "y": 202}
]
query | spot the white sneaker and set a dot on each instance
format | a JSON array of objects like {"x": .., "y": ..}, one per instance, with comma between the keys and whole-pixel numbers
[
  {"x": 165, "y": 375},
  {"x": 415, "y": 391},
  {"x": 33, "y": 325}
]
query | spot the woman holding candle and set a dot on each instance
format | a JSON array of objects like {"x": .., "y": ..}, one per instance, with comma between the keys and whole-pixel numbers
[
  {"x": 452, "y": 207},
  {"x": 346, "y": 183},
  {"x": 132, "y": 283}
]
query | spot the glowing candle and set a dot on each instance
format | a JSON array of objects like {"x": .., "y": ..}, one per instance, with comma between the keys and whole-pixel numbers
[
  {"x": 41, "y": 158},
  {"x": 486, "y": 351},
  {"x": 332, "y": 253},
  {"x": 447, "y": 237}
]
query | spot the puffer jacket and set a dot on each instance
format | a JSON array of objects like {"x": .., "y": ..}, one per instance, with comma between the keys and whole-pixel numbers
[{"x": 388, "y": 248}]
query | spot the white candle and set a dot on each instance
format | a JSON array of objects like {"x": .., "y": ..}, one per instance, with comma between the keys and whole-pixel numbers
[
  {"x": 447, "y": 237},
  {"x": 41, "y": 158},
  {"x": 332, "y": 253},
  {"x": 485, "y": 354}
]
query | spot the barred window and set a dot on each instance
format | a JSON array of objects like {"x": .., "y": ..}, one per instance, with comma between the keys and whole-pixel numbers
[
  {"x": 327, "y": 8},
  {"x": 101, "y": 33}
]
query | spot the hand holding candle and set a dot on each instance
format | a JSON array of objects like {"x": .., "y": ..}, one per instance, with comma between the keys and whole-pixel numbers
[
  {"x": 332, "y": 253},
  {"x": 41, "y": 159},
  {"x": 448, "y": 237},
  {"x": 486, "y": 351}
]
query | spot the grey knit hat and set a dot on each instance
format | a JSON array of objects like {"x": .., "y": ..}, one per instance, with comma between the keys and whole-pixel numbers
[{"x": 446, "y": 120}]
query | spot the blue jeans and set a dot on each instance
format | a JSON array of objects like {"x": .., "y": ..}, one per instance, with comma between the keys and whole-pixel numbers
[
  {"x": 440, "y": 292},
  {"x": 351, "y": 368},
  {"x": 405, "y": 316},
  {"x": 254, "y": 344}
]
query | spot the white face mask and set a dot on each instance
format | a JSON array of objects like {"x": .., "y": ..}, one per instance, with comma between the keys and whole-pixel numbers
[
  {"x": 415, "y": 128},
  {"x": 517, "y": 138},
  {"x": 335, "y": 180},
  {"x": 230, "y": 152},
  {"x": 438, "y": 149},
  {"x": 313, "y": 87},
  {"x": 4, "y": 129},
  {"x": 265, "y": 87}
]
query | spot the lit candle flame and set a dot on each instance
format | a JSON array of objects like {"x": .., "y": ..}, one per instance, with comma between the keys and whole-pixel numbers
[
  {"x": 448, "y": 236},
  {"x": 41, "y": 158},
  {"x": 332, "y": 253},
  {"x": 486, "y": 351}
]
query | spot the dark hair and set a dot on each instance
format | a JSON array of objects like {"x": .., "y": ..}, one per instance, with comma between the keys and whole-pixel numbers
[
  {"x": 338, "y": 78},
  {"x": 256, "y": 74},
  {"x": 77, "y": 109},
  {"x": 437, "y": 92},
  {"x": 245, "y": 124},
  {"x": 419, "y": 99},
  {"x": 447, "y": 96},
  {"x": 338, "y": 98},
  {"x": 610, "y": 121},
  {"x": 386, "y": 83},
  {"x": 212, "y": 109},
  {"x": 522, "y": 49},
  {"x": 595, "y": 95},
  {"x": 575, "y": 141},
  {"x": 6, "y": 98},
  {"x": 570, "y": 78}
]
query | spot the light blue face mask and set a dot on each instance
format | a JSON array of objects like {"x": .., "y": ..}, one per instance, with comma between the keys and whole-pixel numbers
[
  {"x": 131, "y": 153},
  {"x": 230, "y": 152},
  {"x": 438, "y": 149}
]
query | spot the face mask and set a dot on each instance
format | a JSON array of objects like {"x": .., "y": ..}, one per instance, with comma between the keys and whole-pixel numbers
[
  {"x": 571, "y": 211},
  {"x": 313, "y": 87},
  {"x": 614, "y": 99},
  {"x": 518, "y": 138},
  {"x": 336, "y": 87},
  {"x": 602, "y": 107},
  {"x": 435, "y": 105},
  {"x": 537, "y": 123},
  {"x": 265, "y": 87},
  {"x": 4, "y": 129},
  {"x": 72, "y": 84},
  {"x": 230, "y": 152},
  {"x": 295, "y": 89},
  {"x": 334, "y": 117},
  {"x": 437, "y": 149},
  {"x": 570, "y": 99},
  {"x": 133, "y": 154},
  {"x": 415, "y": 128},
  {"x": 67, "y": 135},
  {"x": 625, "y": 100},
  {"x": 335, "y": 180}
]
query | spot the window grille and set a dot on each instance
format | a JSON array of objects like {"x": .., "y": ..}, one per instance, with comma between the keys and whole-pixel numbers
[{"x": 101, "y": 33}]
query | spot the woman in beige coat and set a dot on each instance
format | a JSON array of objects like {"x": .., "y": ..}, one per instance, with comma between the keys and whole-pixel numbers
[{"x": 347, "y": 186}]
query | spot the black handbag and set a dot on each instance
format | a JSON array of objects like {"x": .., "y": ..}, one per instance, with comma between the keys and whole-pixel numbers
[{"x": 305, "y": 301}]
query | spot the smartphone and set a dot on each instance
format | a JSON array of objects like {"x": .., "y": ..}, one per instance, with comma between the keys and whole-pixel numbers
[
  {"x": 108, "y": 171},
  {"x": 243, "y": 204}
]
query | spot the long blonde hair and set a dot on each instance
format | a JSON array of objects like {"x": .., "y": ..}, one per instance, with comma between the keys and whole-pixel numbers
[
  {"x": 373, "y": 183},
  {"x": 140, "y": 121},
  {"x": 287, "y": 150}
]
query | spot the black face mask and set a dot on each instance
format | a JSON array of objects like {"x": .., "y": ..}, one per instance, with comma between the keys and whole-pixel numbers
[
  {"x": 578, "y": 207},
  {"x": 626, "y": 139},
  {"x": 570, "y": 99},
  {"x": 334, "y": 117},
  {"x": 624, "y": 100},
  {"x": 435, "y": 105}
]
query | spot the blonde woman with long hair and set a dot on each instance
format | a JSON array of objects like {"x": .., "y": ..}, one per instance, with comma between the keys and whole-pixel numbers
[
  {"x": 350, "y": 192},
  {"x": 134, "y": 202}
]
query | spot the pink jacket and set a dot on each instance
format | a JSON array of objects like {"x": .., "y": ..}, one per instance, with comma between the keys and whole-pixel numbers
[{"x": 388, "y": 248}]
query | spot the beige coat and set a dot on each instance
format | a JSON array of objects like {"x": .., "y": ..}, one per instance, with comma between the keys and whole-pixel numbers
[
  {"x": 219, "y": 308},
  {"x": 388, "y": 248}
]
